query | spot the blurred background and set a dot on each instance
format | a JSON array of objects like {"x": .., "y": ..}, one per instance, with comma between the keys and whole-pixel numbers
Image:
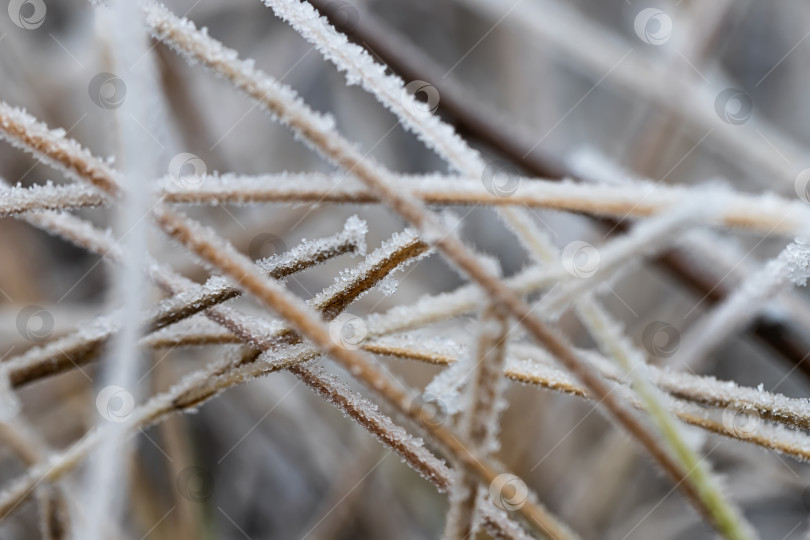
[{"x": 682, "y": 93}]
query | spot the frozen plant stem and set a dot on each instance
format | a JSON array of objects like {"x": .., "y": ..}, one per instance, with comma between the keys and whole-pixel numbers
[
  {"x": 790, "y": 267},
  {"x": 791, "y": 413},
  {"x": 611, "y": 339},
  {"x": 319, "y": 132},
  {"x": 536, "y": 370},
  {"x": 83, "y": 345},
  {"x": 693, "y": 393},
  {"x": 202, "y": 385},
  {"x": 70, "y": 157},
  {"x": 644, "y": 239},
  {"x": 78, "y": 163},
  {"x": 300, "y": 317},
  {"x": 711, "y": 392},
  {"x": 223, "y": 374},
  {"x": 479, "y": 419},
  {"x": 728, "y": 519},
  {"x": 18, "y": 200},
  {"x": 767, "y": 214}
]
